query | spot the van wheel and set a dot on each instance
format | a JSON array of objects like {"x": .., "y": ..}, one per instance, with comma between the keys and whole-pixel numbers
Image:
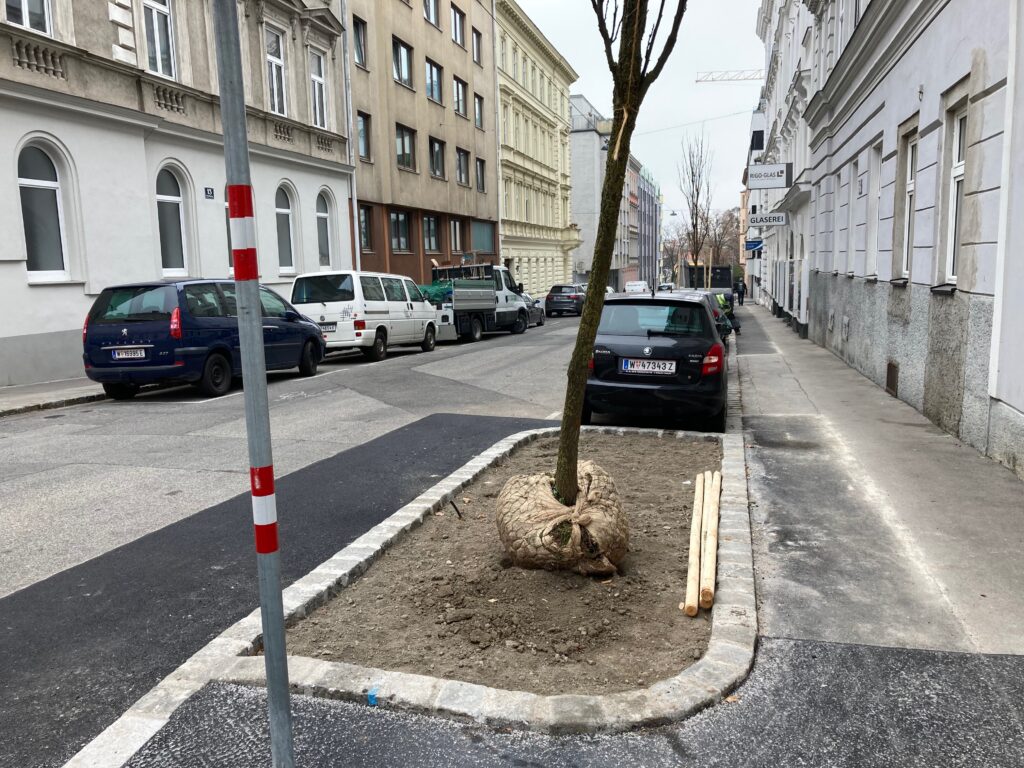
[
  {"x": 216, "y": 379},
  {"x": 540, "y": 320},
  {"x": 379, "y": 350},
  {"x": 476, "y": 330},
  {"x": 521, "y": 323},
  {"x": 121, "y": 391},
  {"x": 309, "y": 360},
  {"x": 429, "y": 340}
]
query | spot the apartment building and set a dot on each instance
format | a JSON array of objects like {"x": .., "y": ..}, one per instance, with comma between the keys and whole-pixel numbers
[
  {"x": 424, "y": 97},
  {"x": 537, "y": 236},
  {"x": 902, "y": 121},
  {"x": 114, "y": 156}
]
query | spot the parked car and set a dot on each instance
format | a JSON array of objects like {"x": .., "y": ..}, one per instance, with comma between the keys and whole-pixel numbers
[
  {"x": 535, "y": 310},
  {"x": 666, "y": 286},
  {"x": 637, "y": 286},
  {"x": 565, "y": 298},
  {"x": 368, "y": 311},
  {"x": 722, "y": 320},
  {"x": 658, "y": 354},
  {"x": 187, "y": 331}
]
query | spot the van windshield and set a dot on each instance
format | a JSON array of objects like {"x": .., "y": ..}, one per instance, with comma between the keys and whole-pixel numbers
[
  {"x": 134, "y": 304},
  {"x": 323, "y": 289}
]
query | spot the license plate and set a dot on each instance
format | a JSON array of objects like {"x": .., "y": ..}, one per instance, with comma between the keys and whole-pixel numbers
[
  {"x": 328, "y": 327},
  {"x": 129, "y": 354},
  {"x": 657, "y": 367}
]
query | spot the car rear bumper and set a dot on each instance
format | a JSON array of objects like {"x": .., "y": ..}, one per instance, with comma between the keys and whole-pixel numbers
[
  {"x": 563, "y": 306},
  {"x": 702, "y": 401},
  {"x": 150, "y": 374}
]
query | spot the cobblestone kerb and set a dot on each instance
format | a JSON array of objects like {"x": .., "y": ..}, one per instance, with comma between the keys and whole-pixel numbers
[{"x": 231, "y": 657}]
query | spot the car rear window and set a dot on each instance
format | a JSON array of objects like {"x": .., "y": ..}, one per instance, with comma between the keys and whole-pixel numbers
[
  {"x": 134, "y": 304},
  {"x": 323, "y": 288},
  {"x": 672, "y": 319},
  {"x": 563, "y": 289}
]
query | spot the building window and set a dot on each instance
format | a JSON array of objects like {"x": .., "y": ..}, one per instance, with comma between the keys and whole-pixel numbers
[
  {"x": 363, "y": 129},
  {"x": 515, "y": 63},
  {"x": 504, "y": 54},
  {"x": 402, "y": 60},
  {"x": 434, "y": 75},
  {"x": 504, "y": 124},
  {"x": 366, "y": 227},
  {"x": 909, "y": 203},
  {"x": 34, "y": 14},
  {"x": 455, "y": 231},
  {"x": 159, "y": 34},
  {"x": 323, "y": 229},
  {"x": 478, "y": 47},
  {"x": 436, "y": 158},
  {"x": 458, "y": 26},
  {"x": 275, "y": 71},
  {"x": 481, "y": 175},
  {"x": 405, "y": 147},
  {"x": 462, "y": 166},
  {"x": 283, "y": 209},
  {"x": 359, "y": 33},
  {"x": 170, "y": 214},
  {"x": 956, "y": 193},
  {"x": 399, "y": 231},
  {"x": 317, "y": 75},
  {"x": 459, "y": 89},
  {"x": 431, "y": 12},
  {"x": 478, "y": 110},
  {"x": 431, "y": 241},
  {"x": 41, "y": 212}
]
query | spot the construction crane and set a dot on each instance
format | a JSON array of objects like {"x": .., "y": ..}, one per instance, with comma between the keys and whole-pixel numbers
[{"x": 730, "y": 75}]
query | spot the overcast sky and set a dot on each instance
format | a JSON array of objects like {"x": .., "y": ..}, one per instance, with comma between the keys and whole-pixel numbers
[{"x": 715, "y": 34}]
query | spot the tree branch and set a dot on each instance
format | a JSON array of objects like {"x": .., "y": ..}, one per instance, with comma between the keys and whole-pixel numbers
[
  {"x": 670, "y": 43},
  {"x": 602, "y": 26},
  {"x": 652, "y": 38}
]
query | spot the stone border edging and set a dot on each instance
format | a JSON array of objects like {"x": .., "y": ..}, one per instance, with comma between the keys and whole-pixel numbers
[{"x": 231, "y": 658}]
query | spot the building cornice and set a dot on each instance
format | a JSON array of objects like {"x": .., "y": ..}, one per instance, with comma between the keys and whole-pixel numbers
[{"x": 510, "y": 9}]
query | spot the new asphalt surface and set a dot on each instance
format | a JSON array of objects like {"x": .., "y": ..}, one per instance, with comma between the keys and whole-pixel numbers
[{"x": 82, "y": 646}]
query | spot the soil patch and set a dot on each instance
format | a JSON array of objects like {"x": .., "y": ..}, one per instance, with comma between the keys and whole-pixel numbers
[{"x": 446, "y": 602}]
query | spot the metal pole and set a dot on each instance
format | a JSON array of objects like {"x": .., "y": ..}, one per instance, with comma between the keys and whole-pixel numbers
[{"x": 257, "y": 410}]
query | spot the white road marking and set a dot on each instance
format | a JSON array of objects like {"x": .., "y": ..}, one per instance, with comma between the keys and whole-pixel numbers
[{"x": 553, "y": 416}]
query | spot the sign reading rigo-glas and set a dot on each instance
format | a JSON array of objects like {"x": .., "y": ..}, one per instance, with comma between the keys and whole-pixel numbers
[
  {"x": 778, "y": 176},
  {"x": 769, "y": 219}
]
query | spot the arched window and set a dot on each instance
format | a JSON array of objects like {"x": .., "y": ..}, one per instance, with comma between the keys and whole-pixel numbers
[
  {"x": 41, "y": 213},
  {"x": 283, "y": 204},
  {"x": 323, "y": 229},
  {"x": 170, "y": 210}
]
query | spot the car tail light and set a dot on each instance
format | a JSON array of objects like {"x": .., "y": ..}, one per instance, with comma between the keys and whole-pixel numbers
[
  {"x": 713, "y": 360},
  {"x": 85, "y": 328},
  {"x": 717, "y": 313},
  {"x": 176, "y": 323},
  {"x": 590, "y": 366},
  {"x": 359, "y": 325}
]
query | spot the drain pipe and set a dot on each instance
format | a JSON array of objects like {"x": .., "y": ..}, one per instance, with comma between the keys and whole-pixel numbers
[{"x": 353, "y": 202}]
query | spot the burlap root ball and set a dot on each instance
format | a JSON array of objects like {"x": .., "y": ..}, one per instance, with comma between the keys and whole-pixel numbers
[{"x": 539, "y": 532}]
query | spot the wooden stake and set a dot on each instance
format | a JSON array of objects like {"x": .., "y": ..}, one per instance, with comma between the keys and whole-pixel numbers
[
  {"x": 693, "y": 568},
  {"x": 709, "y": 555}
]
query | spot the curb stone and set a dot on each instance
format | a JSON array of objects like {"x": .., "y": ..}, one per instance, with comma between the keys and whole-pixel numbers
[{"x": 230, "y": 657}]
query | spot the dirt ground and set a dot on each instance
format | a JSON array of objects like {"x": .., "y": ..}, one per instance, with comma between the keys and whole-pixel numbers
[{"x": 446, "y": 602}]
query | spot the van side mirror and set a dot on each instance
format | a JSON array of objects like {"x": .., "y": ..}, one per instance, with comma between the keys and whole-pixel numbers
[{"x": 519, "y": 288}]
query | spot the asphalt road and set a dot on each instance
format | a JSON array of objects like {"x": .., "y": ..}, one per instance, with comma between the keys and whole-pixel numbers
[{"x": 132, "y": 535}]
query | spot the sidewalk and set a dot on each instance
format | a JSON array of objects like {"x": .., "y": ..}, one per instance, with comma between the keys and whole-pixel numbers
[
  {"x": 891, "y": 607},
  {"x": 51, "y": 394}
]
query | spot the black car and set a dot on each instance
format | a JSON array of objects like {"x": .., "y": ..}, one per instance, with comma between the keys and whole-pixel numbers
[
  {"x": 535, "y": 310},
  {"x": 186, "y": 331},
  {"x": 565, "y": 298},
  {"x": 658, "y": 354}
]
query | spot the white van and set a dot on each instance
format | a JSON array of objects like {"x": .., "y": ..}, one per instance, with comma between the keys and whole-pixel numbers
[
  {"x": 368, "y": 311},
  {"x": 637, "y": 286}
]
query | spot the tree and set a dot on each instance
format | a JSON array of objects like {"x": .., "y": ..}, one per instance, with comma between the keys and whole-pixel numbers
[
  {"x": 629, "y": 34},
  {"x": 695, "y": 184},
  {"x": 674, "y": 247},
  {"x": 723, "y": 237}
]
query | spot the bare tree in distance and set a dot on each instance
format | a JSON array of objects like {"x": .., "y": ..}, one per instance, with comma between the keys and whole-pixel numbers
[
  {"x": 629, "y": 33},
  {"x": 674, "y": 246},
  {"x": 695, "y": 184},
  {"x": 723, "y": 237}
]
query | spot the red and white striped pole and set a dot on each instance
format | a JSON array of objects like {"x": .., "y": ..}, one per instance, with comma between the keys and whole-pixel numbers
[{"x": 254, "y": 375}]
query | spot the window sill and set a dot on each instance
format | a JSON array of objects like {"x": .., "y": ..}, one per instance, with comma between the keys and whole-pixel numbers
[
  {"x": 438, "y": 178},
  {"x": 408, "y": 170},
  {"x": 367, "y": 160},
  {"x": 363, "y": 67},
  {"x": 54, "y": 281},
  {"x": 463, "y": 184},
  {"x": 407, "y": 87},
  {"x": 871, "y": 278},
  {"x": 944, "y": 289},
  {"x": 435, "y": 102},
  {"x": 899, "y": 282},
  {"x": 460, "y": 114},
  {"x": 849, "y": 275}
]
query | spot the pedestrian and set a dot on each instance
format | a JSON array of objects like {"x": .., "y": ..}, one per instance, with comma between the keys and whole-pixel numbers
[{"x": 741, "y": 289}]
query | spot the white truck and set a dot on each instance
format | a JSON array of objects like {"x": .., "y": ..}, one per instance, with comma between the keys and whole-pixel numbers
[{"x": 475, "y": 299}]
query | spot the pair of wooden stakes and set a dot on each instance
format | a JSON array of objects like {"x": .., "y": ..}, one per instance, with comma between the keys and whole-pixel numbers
[{"x": 700, "y": 573}]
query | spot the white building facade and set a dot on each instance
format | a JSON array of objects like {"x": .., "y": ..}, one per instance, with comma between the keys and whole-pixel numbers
[
  {"x": 114, "y": 157},
  {"x": 900, "y": 120}
]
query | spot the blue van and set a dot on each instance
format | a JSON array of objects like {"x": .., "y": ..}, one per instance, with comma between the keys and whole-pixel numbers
[{"x": 186, "y": 331}]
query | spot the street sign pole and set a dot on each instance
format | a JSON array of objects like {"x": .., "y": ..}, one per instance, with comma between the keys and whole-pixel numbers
[{"x": 257, "y": 409}]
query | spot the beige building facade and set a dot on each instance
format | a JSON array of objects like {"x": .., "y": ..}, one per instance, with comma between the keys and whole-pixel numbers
[
  {"x": 112, "y": 156},
  {"x": 537, "y": 234},
  {"x": 423, "y": 91}
]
